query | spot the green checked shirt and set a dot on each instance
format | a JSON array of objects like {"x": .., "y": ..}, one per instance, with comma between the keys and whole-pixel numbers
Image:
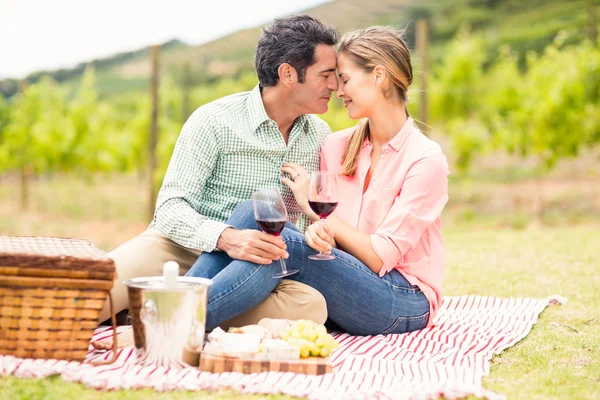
[{"x": 227, "y": 150}]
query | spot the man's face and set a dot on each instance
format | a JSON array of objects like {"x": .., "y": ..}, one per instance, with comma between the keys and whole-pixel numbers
[{"x": 312, "y": 96}]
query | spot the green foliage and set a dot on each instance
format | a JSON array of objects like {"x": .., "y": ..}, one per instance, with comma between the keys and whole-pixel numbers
[
  {"x": 458, "y": 78},
  {"x": 37, "y": 133},
  {"x": 170, "y": 122},
  {"x": 560, "y": 111},
  {"x": 502, "y": 100},
  {"x": 456, "y": 95},
  {"x": 549, "y": 111},
  {"x": 4, "y": 116},
  {"x": 84, "y": 118},
  {"x": 337, "y": 116}
]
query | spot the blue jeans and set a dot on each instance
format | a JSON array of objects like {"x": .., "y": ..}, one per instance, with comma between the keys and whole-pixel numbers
[{"x": 358, "y": 300}]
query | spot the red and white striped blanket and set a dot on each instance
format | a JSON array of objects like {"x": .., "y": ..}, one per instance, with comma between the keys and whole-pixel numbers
[{"x": 451, "y": 358}]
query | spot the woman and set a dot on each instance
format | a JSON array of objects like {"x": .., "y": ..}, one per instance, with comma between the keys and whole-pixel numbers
[{"x": 386, "y": 231}]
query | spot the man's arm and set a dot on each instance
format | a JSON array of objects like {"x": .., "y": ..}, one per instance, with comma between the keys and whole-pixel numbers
[{"x": 177, "y": 214}]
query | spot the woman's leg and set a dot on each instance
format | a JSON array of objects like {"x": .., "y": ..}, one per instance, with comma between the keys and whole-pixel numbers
[{"x": 358, "y": 300}]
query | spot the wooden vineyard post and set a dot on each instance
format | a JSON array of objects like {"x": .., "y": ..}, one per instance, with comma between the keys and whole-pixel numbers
[
  {"x": 153, "y": 129},
  {"x": 422, "y": 43}
]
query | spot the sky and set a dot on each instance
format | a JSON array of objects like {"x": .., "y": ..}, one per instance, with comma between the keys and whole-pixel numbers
[{"x": 43, "y": 34}]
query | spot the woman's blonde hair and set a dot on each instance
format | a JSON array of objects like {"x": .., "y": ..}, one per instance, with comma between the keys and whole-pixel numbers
[{"x": 368, "y": 48}]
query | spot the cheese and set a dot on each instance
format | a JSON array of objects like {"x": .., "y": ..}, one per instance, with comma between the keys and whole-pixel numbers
[
  {"x": 278, "y": 350},
  {"x": 240, "y": 350},
  {"x": 275, "y": 326}
]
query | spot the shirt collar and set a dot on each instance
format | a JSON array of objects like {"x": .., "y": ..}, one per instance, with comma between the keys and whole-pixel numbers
[
  {"x": 256, "y": 109},
  {"x": 302, "y": 121},
  {"x": 257, "y": 113},
  {"x": 398, "y": 140}
]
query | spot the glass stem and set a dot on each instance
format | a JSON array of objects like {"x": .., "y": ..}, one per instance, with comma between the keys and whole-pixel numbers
[
  {"x": 321, "y": 251},
  {"x": 283, "y": 267}
]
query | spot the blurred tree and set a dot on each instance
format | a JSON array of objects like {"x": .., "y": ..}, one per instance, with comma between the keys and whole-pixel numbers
[
  {"x": 559, "y": 113},
  {"x": 548, "y": 110},
  {"x": 502, "y": 96},
  {"x": 592, "y": 31},
  {"x": 8, "y": 87},
  {"x": 4, "y": 115},
  {"x": 81, "y": 115},
  {"x": 154, "y": 82},
  {"x": 423, "y": 54},
  {"x": 33, "y": 140},
  {"x": 456, "y": 95}
]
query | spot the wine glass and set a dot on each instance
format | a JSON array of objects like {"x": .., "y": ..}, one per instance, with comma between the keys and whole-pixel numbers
[
  {"x": 323, "y": 199},
  {"x": 271, "y": 216}
]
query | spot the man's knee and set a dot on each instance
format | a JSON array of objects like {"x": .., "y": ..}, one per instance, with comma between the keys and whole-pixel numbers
[
  {"x": 303, "y": 301},
  {"x": 243, "y": 216},
  {"x": 315, "y": 308},
  {"x": 144, "y": 255},
  {"x": 244, "y": 208}
]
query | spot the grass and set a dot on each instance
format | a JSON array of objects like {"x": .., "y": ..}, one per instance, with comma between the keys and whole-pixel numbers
[
  {"x": 559, "y": 358},
  {"x": 485, "y": 255}
]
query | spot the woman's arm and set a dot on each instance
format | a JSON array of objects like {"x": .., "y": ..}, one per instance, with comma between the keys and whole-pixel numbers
[
  {"x": 298, "y": 184},
  {"x": 355, "y": 242},
  {"x": 422, "y": 198},
  {"x": 299, "y": 181},
  {"x": 421, "y": 201},
  {"x": 337, "y": 233}
]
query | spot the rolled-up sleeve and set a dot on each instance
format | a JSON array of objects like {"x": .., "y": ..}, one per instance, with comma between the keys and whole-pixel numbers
[{"x": 421, "y": 200}]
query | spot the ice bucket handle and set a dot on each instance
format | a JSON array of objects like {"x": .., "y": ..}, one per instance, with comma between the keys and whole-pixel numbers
[{"x": 149, "y": 313}]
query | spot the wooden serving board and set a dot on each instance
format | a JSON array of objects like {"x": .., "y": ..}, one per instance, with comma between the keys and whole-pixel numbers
[{"x": 307, "y": 366}]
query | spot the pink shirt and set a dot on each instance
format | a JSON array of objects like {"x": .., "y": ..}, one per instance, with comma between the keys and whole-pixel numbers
[{"x": 401, "y": 208}]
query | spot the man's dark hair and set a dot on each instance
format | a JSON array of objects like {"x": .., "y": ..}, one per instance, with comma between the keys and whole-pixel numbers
[{"x": 290, "y": 40}]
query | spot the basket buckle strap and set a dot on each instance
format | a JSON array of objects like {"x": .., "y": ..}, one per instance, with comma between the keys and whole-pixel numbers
[{"x": 114, "y": 328}]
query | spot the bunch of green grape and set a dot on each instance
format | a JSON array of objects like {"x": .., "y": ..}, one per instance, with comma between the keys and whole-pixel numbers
[{"x": 312, "y": 339}]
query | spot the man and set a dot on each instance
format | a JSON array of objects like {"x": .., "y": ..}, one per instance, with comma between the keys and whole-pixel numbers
[{"x": 232, "y": 147}]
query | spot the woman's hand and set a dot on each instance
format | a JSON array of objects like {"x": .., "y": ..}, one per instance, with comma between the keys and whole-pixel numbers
[
  {"x": 298, "y": 184},
  {"x": 320, "y": 237}
]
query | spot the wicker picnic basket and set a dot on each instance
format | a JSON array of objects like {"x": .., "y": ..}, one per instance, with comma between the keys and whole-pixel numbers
[{"x": 51, "y": 293}]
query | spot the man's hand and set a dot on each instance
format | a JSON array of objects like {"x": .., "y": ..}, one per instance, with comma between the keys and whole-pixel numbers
[
  {"x": 252, "y": 245},
  {"x": 320, "y": 237}
]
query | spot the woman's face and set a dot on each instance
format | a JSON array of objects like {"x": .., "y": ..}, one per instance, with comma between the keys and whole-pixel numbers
[{"x": 357, "y": 88}]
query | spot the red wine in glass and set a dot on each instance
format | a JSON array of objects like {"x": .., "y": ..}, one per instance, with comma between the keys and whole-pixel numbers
[
  {"x": 322, "y": 209},
  {"x": 270, "y": 226},
  {"x": 271, "y": 215},
  {"x": 323, "y": 199}
]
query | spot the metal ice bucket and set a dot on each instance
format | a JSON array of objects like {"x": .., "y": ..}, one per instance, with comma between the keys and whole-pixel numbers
[{"x": 167, "y": 323}]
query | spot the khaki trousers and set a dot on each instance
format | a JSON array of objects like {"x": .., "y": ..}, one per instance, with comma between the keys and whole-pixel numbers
[{"x": 145, "y": 255}]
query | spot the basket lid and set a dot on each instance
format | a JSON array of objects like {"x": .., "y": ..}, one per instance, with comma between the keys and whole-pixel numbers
[{"x": 57, "y": 257}]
